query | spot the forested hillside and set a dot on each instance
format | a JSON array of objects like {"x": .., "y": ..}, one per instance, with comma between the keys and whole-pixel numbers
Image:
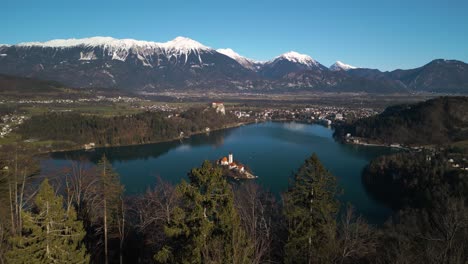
[
  {"x": 416, "y": 179},
  {"x": 123, "y": 130},
  {"x": 208, "y": 220},
  {"x": 438, "y": 121},
  {"x": 21, "y": 87}
]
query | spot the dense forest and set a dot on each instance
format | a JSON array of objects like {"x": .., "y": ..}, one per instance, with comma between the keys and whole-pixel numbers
[
  {"x": 415, "y": 179},
  {"x": 438, "y": 121},
  {"x": 15, "y": 84},
  {"x": 80, "y": 215},
  {"x": 139, "y": 128},
  {"x": 20, "y": 88}
]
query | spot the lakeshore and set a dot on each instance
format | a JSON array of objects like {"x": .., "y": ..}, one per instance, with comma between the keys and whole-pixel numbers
[
  {"x": 258, "y": 146},
  {"x": 175, "y": 139}
]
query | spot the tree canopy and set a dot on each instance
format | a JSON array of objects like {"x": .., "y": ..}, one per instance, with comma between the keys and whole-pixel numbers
[
  {"x": 310, "y": 208},
  {"x": 205, "y": 228},
  {"x": 51, "y": 233}
]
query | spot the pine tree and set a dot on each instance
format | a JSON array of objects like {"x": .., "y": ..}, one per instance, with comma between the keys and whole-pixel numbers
[
  {"x": 50, "y": 233},
  {"x": 311, "y": 209},
  {"x": 205, "y": 228},
  {"x": 112, "y": 203}
]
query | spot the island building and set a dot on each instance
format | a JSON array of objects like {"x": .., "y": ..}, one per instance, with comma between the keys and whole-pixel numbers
[{"x": 229, "y": 161}]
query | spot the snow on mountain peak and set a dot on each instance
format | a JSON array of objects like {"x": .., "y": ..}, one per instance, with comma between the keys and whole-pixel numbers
[
  {"x": 181, "y": 43},
  {"x": 184, "y": 43},
  {"x": 338, "y": 66},
  {"x": 246, "y": 62},
  {"x": 230, "y": 53},
  {"x": 121, "y": 48},
  {"x": 89, "y": 42},
  {"x": 298, "y": 58},
  {"x": 181, "y": 47}
]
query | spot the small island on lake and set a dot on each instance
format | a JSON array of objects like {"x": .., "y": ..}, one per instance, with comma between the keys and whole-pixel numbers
[{"x": 234, "y": 169}]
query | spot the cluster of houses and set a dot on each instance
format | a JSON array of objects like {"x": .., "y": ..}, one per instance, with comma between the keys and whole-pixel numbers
[
  {"x": 459, "y": 164},
  {"x": 8, "y": 122},
  {"x": 241, "y": 114},
  {"x": 320, "y": 114},
  {"x": 229, "y": 162},
  {"x": 98, "y": 98},
  {"x": 5, "y": 130},
  {"x": 158, "y": 108}
]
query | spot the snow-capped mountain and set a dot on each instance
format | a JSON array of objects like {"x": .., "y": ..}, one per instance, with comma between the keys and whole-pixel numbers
[
  {"x": 186, "y": 64},
  {"x": 127, "y": 63},
  {"x": 3, "y": 47},
  {"x": 178, "y": 49},
  {"x": 246, "y": 62},
  {"x": 296, "y": 57},
  {"x": 340, "y": 66},
  {"x": 290, "y": 62}
]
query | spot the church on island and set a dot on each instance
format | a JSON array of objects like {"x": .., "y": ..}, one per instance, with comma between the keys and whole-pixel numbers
[{"x": 229, "y": 162}]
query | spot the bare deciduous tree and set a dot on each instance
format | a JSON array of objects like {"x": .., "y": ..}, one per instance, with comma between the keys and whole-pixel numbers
[
  {"x": 356, "y": 239},
  {"x": 153, "y": 210},
  {"x": 256, "y": 209},
  {"x": 430, "y": 235},
  {"x": 20, "y": 168}
]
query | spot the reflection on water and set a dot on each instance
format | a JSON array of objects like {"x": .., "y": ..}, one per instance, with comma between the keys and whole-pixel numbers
[
  {"x": 147, "y": 151},
  {"x": 294, "y": 126},
  {"x": 272, "y": 150}
]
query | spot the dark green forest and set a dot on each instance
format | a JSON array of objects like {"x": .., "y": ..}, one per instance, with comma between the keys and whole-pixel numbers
[
  {"x": 81, "y": 216},
  {"x": 416, "y": 179},
  {"x": 438, "y": 121},
  {"x": 139, "y": 128}
]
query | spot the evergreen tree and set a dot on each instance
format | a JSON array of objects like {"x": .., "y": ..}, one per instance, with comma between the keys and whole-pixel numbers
[
  {"x": 206, "y": 227},
  {"x": 50, "y": 233},
  {"x": 310, "y": 210},
  {"x": 112, "y": 203}
]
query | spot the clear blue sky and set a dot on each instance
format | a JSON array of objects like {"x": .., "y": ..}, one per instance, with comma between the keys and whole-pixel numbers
[{"x": 366, "y": 33}]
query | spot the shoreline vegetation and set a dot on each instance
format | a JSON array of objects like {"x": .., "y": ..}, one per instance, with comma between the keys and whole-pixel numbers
[
  {"x": 178, "y": 138},
  {"x": 206, "y": 219},
  {"x": 440, "y": 121},
  {"x": 60, "y": 132},
  {"x": 363, "y": 142},
  {"x": 429, "y": 180},
  {"x": 201, "y": 132}
]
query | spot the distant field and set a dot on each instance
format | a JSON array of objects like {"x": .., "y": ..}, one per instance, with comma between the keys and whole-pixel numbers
[
  {"x": 106, "y": 109},
  {"x": 290, "y": 99},
  {"x": 10, "y": 139}
]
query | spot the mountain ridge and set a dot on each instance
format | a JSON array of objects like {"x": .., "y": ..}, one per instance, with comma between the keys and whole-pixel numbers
[
  {"x": 185, "y": 64},
  {"x": 340, "y": 66}
]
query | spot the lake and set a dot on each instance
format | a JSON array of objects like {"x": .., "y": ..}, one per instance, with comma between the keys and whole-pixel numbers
[{"x": 272, "y": 150}]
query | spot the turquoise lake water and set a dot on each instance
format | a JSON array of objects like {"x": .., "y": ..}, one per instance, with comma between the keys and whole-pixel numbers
[{"x": 272, "y": 150}]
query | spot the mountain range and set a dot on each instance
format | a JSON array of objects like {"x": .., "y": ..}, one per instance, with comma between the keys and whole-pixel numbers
[{"x": 184, "y": 64}]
